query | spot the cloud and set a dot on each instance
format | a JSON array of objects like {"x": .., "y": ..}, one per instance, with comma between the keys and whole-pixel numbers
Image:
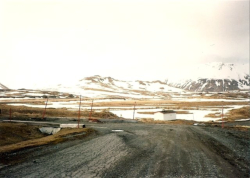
[{"x": 54, "y": 41}]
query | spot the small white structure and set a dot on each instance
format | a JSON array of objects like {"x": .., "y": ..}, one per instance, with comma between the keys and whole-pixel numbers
[
  {"x": 165, "y": 115},
  {"x": 49, "y": 130},
  {"x": 72, "y": 126}
]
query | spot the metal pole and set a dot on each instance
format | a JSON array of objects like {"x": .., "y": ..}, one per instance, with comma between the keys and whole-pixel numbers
[
  {"x": 10, "y": 114},
  {"x": 44, "y": 112},
  {"x": 90, "y": 114},
  {"x": 79, "y": 112},
  {"x": 134, "y": 111}
]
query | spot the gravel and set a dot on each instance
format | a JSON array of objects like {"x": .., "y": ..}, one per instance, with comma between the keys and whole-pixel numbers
[{"x": 140, "y": 150}]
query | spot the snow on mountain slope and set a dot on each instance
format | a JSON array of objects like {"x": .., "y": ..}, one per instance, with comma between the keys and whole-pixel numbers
[
  {"x": 216, "y": 76},
  {"x": 97, "y": 86},
  {"x": 3, "y": 87},
  {"x": 109, "y": 83}
]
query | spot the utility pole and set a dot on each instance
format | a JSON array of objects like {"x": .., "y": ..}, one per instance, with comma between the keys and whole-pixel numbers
[
  {"x": 44, "y": 112},
  {"x": 79, "y": 112},
  {"x": 10, "y": 114},
  {"x": 222, "y": 124},
  {"x": 134, "y": 111}
]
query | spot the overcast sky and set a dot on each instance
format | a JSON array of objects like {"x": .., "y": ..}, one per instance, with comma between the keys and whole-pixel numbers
[{"x": 54, "y": 41}]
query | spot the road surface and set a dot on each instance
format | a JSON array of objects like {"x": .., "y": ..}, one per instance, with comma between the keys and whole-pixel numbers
[{"x": 140, "y": 150}]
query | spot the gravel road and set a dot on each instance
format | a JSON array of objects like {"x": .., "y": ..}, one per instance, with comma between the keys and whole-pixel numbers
[{"x": 140, "y": 150}]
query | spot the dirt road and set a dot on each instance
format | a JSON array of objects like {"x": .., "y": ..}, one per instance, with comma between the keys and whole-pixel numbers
[{"x": 141, "y": 150}]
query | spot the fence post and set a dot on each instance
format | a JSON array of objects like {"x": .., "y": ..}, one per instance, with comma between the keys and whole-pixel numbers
[
  {"x": 90, "y": 114},
  {"x": 10, "y": 115},
  {"x": 79, "y": 112},
  {"x": 44, "y": 112},
  {"x": 222, "y": 115},
  {"x": 134, "y": 111}
]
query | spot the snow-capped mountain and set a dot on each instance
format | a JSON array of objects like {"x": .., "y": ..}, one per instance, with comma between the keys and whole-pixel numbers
[
  {"x": 211, "y": 77},
  {"x": 109, "y": 83},
  {"x": 97, "y": 86},
  {"x": 216, "y": 76},
  {"x": 3, "y": 87}
]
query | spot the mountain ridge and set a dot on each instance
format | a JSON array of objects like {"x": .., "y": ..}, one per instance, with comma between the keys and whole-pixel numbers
[
  {"x": 3, "y": 87},
  {"x": 215, "y": 77},
  {"x": 99, "y": 86}
]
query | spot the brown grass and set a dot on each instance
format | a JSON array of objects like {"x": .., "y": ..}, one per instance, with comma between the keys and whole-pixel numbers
[
  {"x": 177, "y": 104},
  {"x": 183, "y": 112},
  {"x": 241, "y": 113},
  {"x": 19, "y": 136},
  {"x": 11, "y": 133},
  {"x": 177, "y": 112},
  {"x": 231, "y": 95},
  {"x": 232, "y": 115},
  {"x": 150, "y": 113},
  {"x": 139, "y": 102},
  {"x": 31, "y": 112},
  {"x": 214, "y": 115},
  {"x": 223, "y": 96}
]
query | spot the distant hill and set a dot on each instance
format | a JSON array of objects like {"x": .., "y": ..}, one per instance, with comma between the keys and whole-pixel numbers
[
  {"x": 3, "y": 87},
  {"x": 210, "y": 77},
  {"x": 99, "y": 86},
  {"x": 214, "y": 77}
]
